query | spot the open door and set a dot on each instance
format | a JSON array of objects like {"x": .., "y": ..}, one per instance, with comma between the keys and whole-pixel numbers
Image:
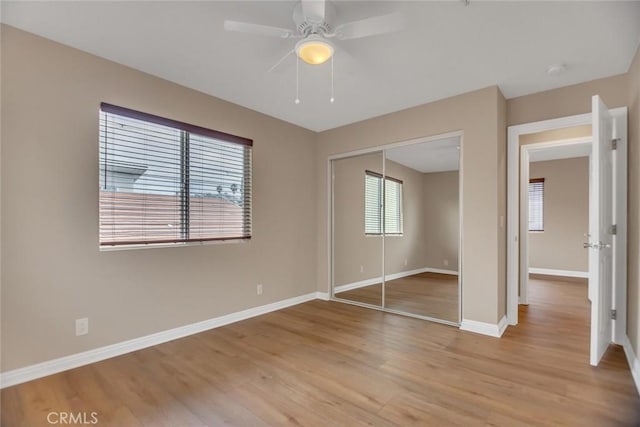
[{"x": 600, "y": 243}]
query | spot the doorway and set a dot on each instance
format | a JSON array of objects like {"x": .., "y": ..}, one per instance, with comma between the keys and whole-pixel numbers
[
  {"x": 607, "y": 218},
  {"x": 554, "y": 203}
]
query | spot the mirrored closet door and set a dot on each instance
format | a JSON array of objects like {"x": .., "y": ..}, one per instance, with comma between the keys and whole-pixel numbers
[
  {"x": 396, "y": 229},
  {"x": 421, "y": 255},
  {"x": 357, "y": 240}
]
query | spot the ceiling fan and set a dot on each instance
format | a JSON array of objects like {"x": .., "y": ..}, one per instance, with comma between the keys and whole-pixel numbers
[{"x": 314, "y": 27}]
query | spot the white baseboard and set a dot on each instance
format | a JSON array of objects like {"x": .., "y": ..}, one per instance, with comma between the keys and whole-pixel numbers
[
  {"x": 54, "y": 366},
  {"x": 502, "y": 325},
  {"x": 324, "y": 296},
  {"x": 634, "y": 362},
  {"x": 561, "y": 273},
  {"x": 356, "y": 285},
  {"x": 394, "y": 276},
  {"x": 402, "y": 274},
  {"x": 490, "y": 329},
  {"x": 441, "y": 271}
]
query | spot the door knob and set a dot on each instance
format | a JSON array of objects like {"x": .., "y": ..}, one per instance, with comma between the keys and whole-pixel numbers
[{"x": 599, "y": 245}]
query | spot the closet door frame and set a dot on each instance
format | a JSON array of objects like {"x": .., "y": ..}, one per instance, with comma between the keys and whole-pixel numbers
[{"x": 330, "y": 222}]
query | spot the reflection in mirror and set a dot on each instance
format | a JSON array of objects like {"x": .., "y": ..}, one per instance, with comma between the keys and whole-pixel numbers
[
  {"x": 357, "y": 238},
  {"x": 421, "y": 260}
]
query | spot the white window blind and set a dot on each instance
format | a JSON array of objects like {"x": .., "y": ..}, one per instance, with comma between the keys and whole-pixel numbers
[
  {"x": 373, "y": 204},
  {"x": 536, "y": 204},
  {"x": 164, "y": 181},
  {"x": 375, "y": 209}
]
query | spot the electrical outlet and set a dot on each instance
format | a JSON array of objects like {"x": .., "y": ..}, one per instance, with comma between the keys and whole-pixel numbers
[
  {"x": 362, "y": 269},
  {"x": 82, "y": 326},
  {"x": 259, "y": 289},
  {"x": 445, "y": 262},
  {"x": 405, "y": 262}
]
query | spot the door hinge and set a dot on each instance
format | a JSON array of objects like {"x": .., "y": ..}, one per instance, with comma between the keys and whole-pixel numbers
[
  {"x": 614, "y": 143},
  {"x": 613, "y": 314},
  {"x": 613, "y": 230}
]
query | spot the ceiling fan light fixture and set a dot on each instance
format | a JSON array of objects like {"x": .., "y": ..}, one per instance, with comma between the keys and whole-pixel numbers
[{"x": 314, "y": 50}]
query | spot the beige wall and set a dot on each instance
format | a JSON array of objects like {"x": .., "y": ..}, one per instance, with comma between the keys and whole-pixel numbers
[
  {"x": 633, "y": 231},
  {"x": 53, "y": 272},
  {"x": 566, "y": 215},
  {"x": 567, "y": 101},
  {"x": 441, "y": 217},
  {"x": 478, "y": 114}
]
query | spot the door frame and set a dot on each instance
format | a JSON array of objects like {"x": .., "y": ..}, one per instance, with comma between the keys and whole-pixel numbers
[
  {"x": 330, "y": 220},
  {"x": 514, "y": 212}
]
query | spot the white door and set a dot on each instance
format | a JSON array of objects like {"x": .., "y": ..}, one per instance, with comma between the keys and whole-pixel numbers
[{"x": 600, "y": 221}]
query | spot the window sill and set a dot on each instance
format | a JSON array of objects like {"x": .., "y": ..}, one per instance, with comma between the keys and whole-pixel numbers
[{"x": 169, "y": 245}]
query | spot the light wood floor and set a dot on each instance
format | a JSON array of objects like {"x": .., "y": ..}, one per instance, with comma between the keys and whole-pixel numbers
[
  {"x": 332, "y": 364},
  {"x": 427, "y": 294}
]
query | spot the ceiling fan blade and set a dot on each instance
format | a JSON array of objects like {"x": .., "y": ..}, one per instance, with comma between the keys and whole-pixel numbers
[
  {"x": 370, "y": 26},
  {"x": 277, "y": 64},
  {"x": 257, "y": 29},
  {"x": 314, "y": 10}
]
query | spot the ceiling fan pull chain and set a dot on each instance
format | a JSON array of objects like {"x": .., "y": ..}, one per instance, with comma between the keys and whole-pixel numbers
[
  {"x": 297, "y": 101},
  {"x": 332, "y": 98}
]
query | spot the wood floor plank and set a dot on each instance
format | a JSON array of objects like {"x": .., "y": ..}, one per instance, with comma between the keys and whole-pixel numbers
[
  {"x": 432, "y": 409},
  {"x": 426, "y": 294},
  {"x": 326, "y": 363}
]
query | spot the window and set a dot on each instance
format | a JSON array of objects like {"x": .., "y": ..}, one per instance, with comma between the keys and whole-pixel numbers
[
  {"x": 536, "y": 204},
  {"x": 163, "y": 181},
  {"x": 374, "y": 209}
]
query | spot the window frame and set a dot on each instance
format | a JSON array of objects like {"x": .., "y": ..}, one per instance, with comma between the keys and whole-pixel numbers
[
  {"x": 186, "y": 131},
  {"x": 382, "y": 179}
]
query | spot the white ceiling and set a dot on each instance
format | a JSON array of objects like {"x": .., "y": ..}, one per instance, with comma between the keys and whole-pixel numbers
[
  {"x": 434, "y": 156},
  {"x": 446, "y": 49}
]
